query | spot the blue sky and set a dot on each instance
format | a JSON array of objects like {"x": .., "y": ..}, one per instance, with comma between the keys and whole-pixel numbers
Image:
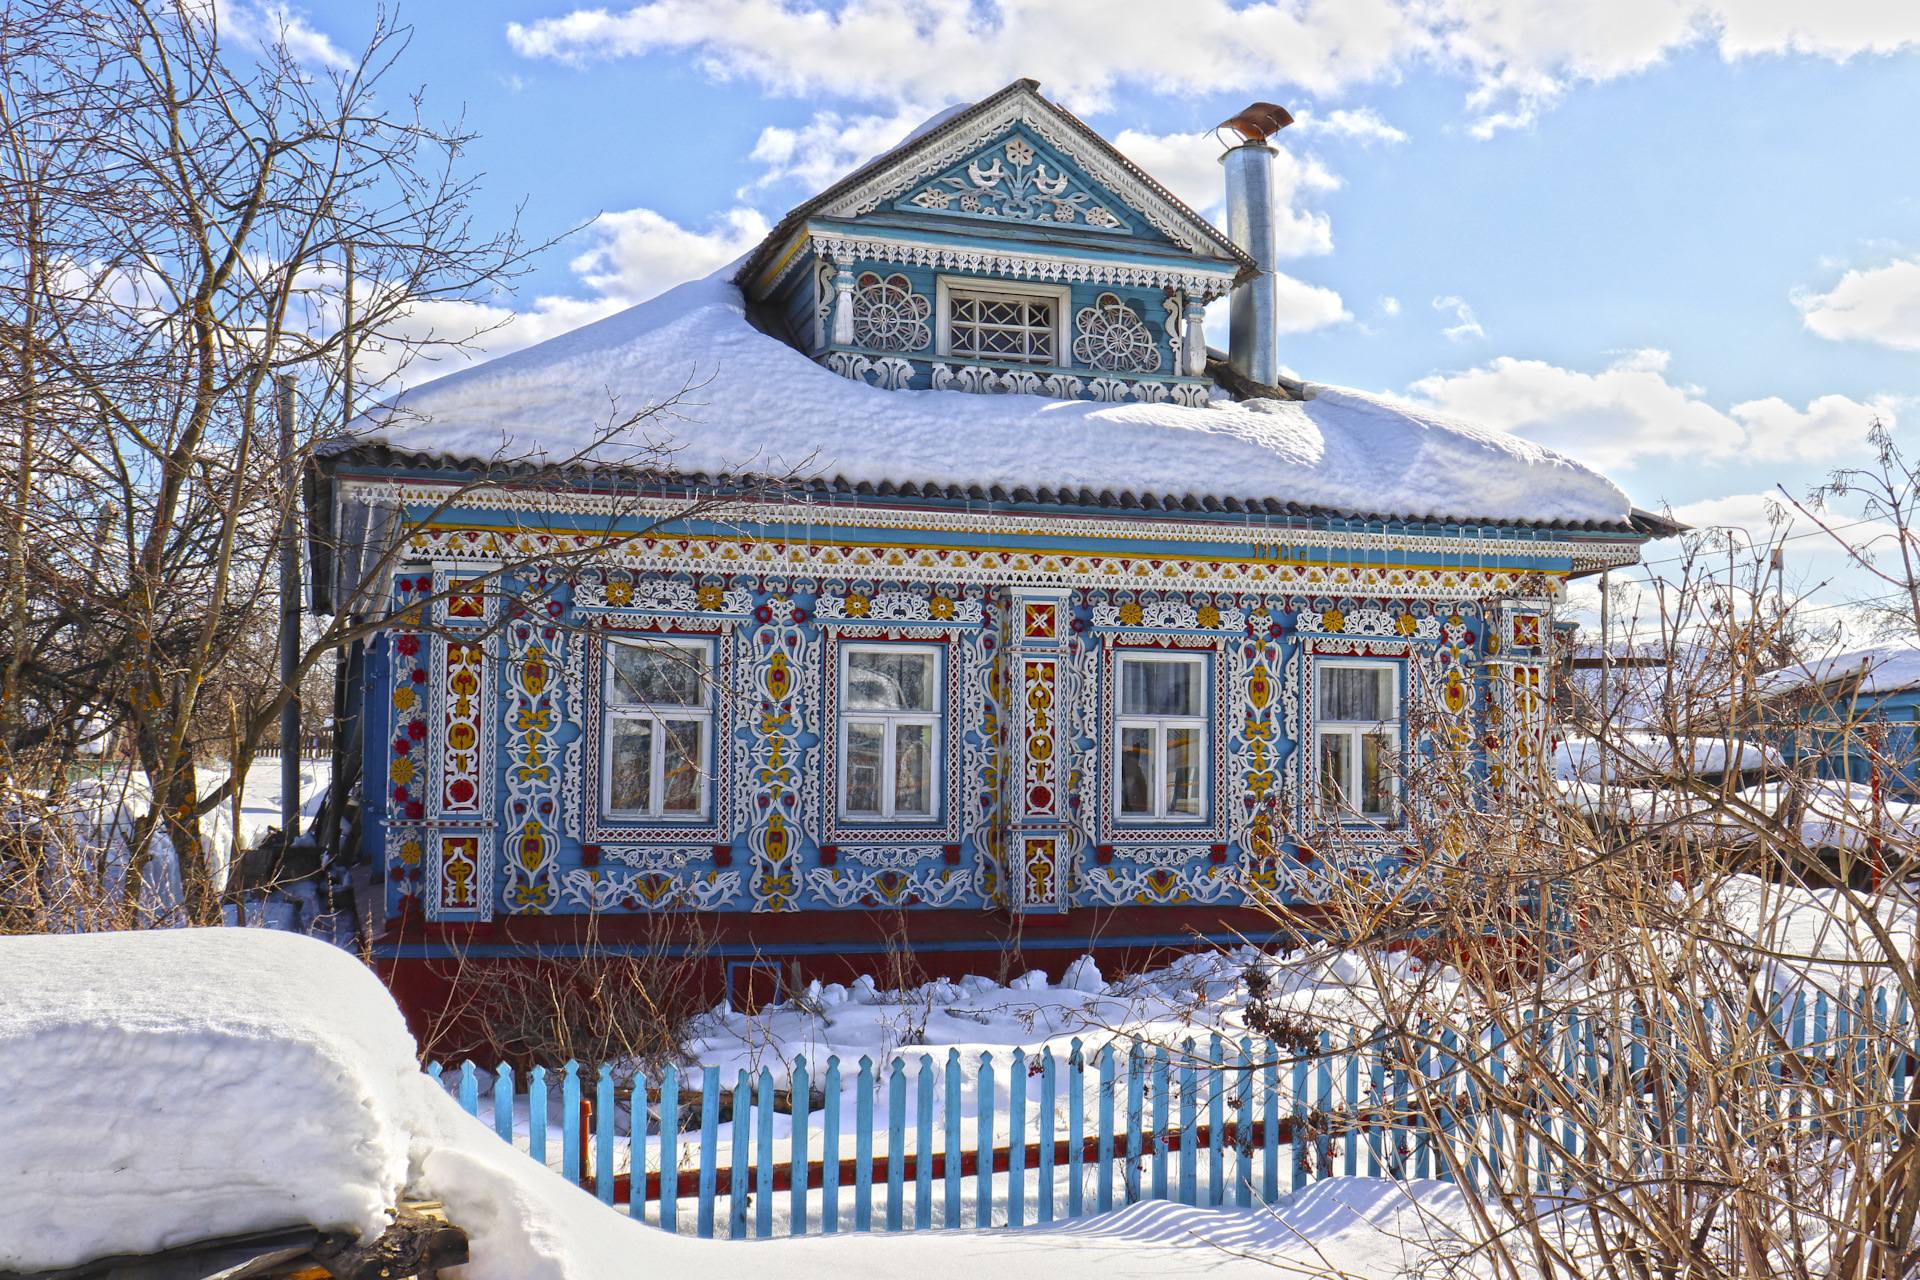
[{"x": 1676, "y": 239}]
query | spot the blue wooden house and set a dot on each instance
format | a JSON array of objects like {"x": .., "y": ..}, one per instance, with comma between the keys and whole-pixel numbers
[
  {"x": 1057, "y": 629},
  {"x": 1854, "y": 716}
]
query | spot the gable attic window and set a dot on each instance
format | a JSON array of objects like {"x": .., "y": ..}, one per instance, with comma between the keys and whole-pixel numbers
[{"x": 1022, "y": 324}]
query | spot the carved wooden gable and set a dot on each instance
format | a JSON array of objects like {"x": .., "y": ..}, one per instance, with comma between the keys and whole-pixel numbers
[{"x": 1018, "y": 178}]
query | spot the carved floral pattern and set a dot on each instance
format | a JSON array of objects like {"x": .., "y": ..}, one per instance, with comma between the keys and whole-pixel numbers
[
  {"x": 1029, "y": 191},
  {"x": 1113, "y": 338},
  {"x": 888, "y": 315}
]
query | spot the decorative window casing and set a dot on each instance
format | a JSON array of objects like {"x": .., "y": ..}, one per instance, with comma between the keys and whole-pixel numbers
[
  {"x": 892, "y": 711},
  {"x": 1160, "y": 739},
  {"x": 1357, "y": 740},
  {"x": 1114, "y": 338},
  {"x": 658, "y": 730},
  {"x": 996, "y": 320},
  {"x": 889, "y": 316}
]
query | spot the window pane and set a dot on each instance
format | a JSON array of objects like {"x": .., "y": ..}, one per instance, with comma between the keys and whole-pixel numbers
[
  {"x": 1376, "y": 774},
  {"x": 1136, "y": 770},
  {"x": 1003, "y": 328},
  {"x": 1183, "y": 770},
  {"x": 913, "y": 769},
  {"x": 681, "y": 764},
  {"x": 1151, "y": 688},
  {"x": 866, "y": 747},
  {"x": 658, "y": 675},
  {"x": 631, "y": 765},
  {"x": 879, "y": 681},
  {"x": 1336, "y": 759},
  {"x": 1356, "y": 693}
]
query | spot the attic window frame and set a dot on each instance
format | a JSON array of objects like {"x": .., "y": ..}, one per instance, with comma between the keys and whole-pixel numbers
[{"x": 1061, "y": 296}]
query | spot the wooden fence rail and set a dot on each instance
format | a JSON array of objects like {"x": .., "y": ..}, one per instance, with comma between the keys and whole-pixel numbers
[{"x": 911, "y": 1144}]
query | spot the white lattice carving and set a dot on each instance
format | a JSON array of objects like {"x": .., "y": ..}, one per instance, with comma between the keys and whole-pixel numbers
[
  {"x": 889, "y": 857},
  {"x": 898, "y": 606},
  {"x": 1063, "y": 386},
  {"x": 936, "y": 888},
  {"x": 1027, "y": 192},
  {"x": 1206, "y": 285},
  {"x": 1113, "y": 338},
  {"x": 1368, "y": 622},
  {"x": 653, "y": 857},
  {"x": 597, "y": 890},
  {"x": 888, "y": 315},
  {"x": 1164, "y": 615},
  {"x": 658, "y": 595},
  {"x": 1157, "y": 886}
]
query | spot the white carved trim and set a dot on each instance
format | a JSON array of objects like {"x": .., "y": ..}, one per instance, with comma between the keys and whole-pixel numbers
[
  {"x": 1060, "y": 295},
  {"x": 1025, "y": 265}
]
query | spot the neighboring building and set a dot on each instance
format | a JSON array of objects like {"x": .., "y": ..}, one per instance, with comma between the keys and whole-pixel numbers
[
  {"x": 1063, "y": 632},
  {"x": 1853, "y": 716}
]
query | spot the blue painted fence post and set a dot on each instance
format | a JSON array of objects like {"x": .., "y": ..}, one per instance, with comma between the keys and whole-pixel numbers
[
  {"x": 603, "y": 1134},
  {"x": 1017, "y": 1140},
  {"x": 1217, "y": 1121},
  {"x": 1076, "y": 1129},
  {"x": 469, "y": 1089},
  {"x": 923, "y": 1145},
  {"x": 1161, "y": 1101},
  {"x": 950, "y": 1102},
  {"x": 537, "y": 1114},
  {"x": 896, "y": 1144},
  {"x": 763, "y": 1157},
  {"x": 570, "y": 1123},
  {"x": 1049, "y": 1153},
  {"x": 1103, "y": 1186},
  {"x": 1136, "y": 1100},
  {"x": 983, "y": 1100},
  {"x": 1270, "y": 1173},
  {"x": 670, "y": 1149},
  {"x": 1350, "y": 1144},
  {"x": 1189, "y": 1129},
  {"x": 434, "y": 1073},
  {"x": 738, "y": 1196},
  {"x": 709, "y": 1150},
  {"x": 1243, "y": 1138},
  {"x": 863, "y": 1147},
  {"x": 830, "y": 1149},
  {"x": 1302, "y": 1162},
  {"x": 800, "y": 1090},
  {"x": 503, "y": 1103}
]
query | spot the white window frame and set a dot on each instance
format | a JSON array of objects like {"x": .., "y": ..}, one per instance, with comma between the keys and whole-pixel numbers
[
  {"x": 613, "y": 712},
  {"x": 934, "y": 719},
  {"x": 1160, "y": 724},
  {"x": 1060, "y": 295},
  {"x": 1356, "y": 731}
]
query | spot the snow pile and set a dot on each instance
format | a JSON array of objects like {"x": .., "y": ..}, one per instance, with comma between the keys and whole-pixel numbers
[
  {"x": 1646, "y": 754},
  {"x": 754, "y": 404},
  {"x": 146, "y": 1077},
  {"x": 1887, "y": 669},
  {"x": 167, "y": 1086}
]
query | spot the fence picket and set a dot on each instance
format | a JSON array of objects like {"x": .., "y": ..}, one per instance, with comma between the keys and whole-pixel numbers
[
  {"x": 1243, "y": 1128},
  {"x": 983, "y": 1099},
  {"x": 1136, "y": 1101},
  {"x": 763, "y": 1133},
  {"x": 863, "y": 1147},
  {"x": 1160, "y": 1100},
  {"x": 896, "y": 1144},
  {"x": 709, "y": 1148},
  {"x": 1103, "y": 1173},
  {"x": 1323, "y": 1140},
  {"x": 1217, "y": 1120},
  {"x": 799, "y": 1089},
  {"x": 1351, "y": 1107},
  {"x": 570, "y": 1123},
  {"x": 1375, "y": 1102},
  {"x": 603, "y": 1107},
  {"x": 503, "y": 1102},
  {"x": 670, "y": 1149},
  {"x": 1076, "y": 1128},
  {"x": 1189, "y": 1126},
  {"x": 923, "y": 1146},
  {"x": 951, "y": 1109},
  {"x": 737, "y": 1195},
  {"x": 1017, "y": 1140},
  {"x": 537, "y": 1114},
  {"x": 1048, "y": 1159},
  {"x": 1295, "y": 1152},
  {"x": 830, "y": 1149},
  {"x": 469, "y": 1090},
  {"x": 1270, "y": 1173}
]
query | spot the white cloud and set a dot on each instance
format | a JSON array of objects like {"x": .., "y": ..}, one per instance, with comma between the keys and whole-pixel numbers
[
  {"x": 640, "y": 253},
  {"x": 1630, "y": 411},
  {"x": 1465, "y": 326},
  {"x": 1188, "y": 164},
  {"x": 1520, "y": 57},
  {"x": 1363, "y": 125},
  {"x": 1881, "y": 304},
  {"x": 259, "y": 26},
  {"x": 829, "y": 146},
  {"x": 1389, "y": 306}
]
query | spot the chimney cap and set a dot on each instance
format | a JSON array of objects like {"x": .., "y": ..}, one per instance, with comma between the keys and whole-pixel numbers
[{"x": 1258, "y": 122}]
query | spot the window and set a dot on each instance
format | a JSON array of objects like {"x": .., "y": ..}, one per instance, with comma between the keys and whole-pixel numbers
[
  {"x": 1025, "y": 325},
  {"x": 1162, "y": 738},
  {"x": 889, "y": 732},
  {"x": 1359, "y": 734},
  {"x": 658, "y": 722}
]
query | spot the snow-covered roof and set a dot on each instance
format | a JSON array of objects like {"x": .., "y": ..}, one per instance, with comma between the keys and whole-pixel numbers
[
  {"x": 1884, "y": 669},
  {"x": 756, "y": 406}
]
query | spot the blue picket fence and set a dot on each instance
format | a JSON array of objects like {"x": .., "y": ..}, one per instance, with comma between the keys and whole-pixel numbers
[{"x": 1020, "y": 1139}]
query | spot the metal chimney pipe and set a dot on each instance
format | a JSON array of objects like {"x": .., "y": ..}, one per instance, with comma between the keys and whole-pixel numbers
[{"x": 1253, "y": 346}]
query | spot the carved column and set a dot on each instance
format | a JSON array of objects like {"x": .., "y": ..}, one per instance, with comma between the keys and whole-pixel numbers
[
  {"x": 843, "y": 305},
  {"x": 1037, "y": 856}
]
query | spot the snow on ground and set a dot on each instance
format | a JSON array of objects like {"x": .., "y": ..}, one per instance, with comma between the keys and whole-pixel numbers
[
  {"x": 755, "y": 404},
  {"x": 167, "y": 1086}
]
